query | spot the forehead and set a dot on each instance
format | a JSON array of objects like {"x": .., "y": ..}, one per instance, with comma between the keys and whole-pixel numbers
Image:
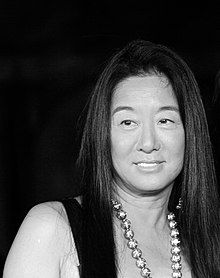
[{"x": 149, "y": 89}]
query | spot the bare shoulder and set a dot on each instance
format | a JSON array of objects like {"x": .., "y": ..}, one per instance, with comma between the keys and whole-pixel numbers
[
  {"x": 46, "y": 221},
  {"x": 40, "y": 244},
  {"x": 49, "y": 213}
]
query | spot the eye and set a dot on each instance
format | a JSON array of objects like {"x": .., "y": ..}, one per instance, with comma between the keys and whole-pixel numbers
[
  {"x": 166, "y": 121},
  {"x": 128, "y": 124}
]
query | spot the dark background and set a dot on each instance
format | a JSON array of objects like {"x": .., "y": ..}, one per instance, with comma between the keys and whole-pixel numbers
[{"x": 50, "y": 56}]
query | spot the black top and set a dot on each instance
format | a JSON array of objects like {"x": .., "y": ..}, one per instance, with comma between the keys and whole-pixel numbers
[{"x": 74, "y": 214}]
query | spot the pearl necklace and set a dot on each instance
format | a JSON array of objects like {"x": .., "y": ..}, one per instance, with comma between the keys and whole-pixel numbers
[{"x": 137, "y": 253}]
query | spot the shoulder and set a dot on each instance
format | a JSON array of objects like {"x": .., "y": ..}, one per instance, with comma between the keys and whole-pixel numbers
[
  {"x": 49, "y": 213},
  {"x": 46, "y": 221},
  {"x": 43, "y": 239}
]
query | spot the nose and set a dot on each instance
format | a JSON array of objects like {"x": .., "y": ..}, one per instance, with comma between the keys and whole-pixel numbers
[{"x": 148, "y": 140}]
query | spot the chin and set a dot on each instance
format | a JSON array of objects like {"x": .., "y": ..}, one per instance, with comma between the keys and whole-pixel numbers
[
  {"x": 147, "y": 188},
  {"x": 153, "y": 190}
]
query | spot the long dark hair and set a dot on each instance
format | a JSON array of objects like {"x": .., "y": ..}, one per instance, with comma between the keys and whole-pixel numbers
[{"x": 196, "y": 185}]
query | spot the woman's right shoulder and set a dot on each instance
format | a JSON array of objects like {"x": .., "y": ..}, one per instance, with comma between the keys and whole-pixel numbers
[
  {"x": 49, "y": 212},
  {"x": 48, "y": 218},
  {"x": 43, "y": 239}
]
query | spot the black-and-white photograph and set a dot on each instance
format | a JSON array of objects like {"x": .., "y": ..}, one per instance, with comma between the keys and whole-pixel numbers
[{"x": 109, "y": 150}]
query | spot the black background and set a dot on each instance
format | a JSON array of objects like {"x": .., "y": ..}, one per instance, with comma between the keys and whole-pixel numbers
[{"x": 50, "y": 56}]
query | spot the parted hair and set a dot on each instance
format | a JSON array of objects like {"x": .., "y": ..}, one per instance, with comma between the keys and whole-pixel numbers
[{"x": 198, "y": 220}]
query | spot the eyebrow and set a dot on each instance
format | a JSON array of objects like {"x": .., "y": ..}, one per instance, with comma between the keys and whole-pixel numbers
[
  {"x": 120, "y": 108},
  {"x": 163, "y": 108},
  {"x": 169, "y": 107}
]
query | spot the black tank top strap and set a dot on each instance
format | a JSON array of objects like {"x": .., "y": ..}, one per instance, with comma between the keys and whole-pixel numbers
[{"x": 74, "y": 214}]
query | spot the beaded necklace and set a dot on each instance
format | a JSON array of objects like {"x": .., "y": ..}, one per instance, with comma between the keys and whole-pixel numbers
[{"x": 137, "y": 253}]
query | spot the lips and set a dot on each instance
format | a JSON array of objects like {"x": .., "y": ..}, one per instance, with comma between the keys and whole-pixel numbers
[
  {"x": 149, "y": 166},
  {"x": 148, "y": 162}
]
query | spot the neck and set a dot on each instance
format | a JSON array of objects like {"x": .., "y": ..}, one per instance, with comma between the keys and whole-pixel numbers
[{"x": 146, "y": 211}]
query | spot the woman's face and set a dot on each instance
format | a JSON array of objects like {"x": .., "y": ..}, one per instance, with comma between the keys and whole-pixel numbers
[{"x": 147, "y": 134}]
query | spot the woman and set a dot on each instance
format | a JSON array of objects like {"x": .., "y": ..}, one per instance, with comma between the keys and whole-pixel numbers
[{"x": 148, "y": 182}]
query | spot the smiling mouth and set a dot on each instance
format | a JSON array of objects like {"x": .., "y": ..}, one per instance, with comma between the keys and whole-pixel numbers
[{"x": 149, "y": 165}]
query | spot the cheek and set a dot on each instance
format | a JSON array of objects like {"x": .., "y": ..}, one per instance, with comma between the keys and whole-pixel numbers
[
  {"x": 121, "y": 146},
  {"x": 177, "y": 146},
  {"x": 174, "y": 144}
]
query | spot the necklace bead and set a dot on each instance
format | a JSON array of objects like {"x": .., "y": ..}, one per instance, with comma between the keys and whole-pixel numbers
[
  {"x": 170, "y": 216},
  {"x": 175, "y": 258},
  {"x": 117, "y": 206},
  {"x": 176, "y": 274},
  {"x": 126, "y": 224},
  {"x": 176, "y": 266},
  {"x": 141, "y": 262},
  {"x": 128, "y": 234},
  {"x": 175, "y": 250},
  {"x": 172, "y": 224},
  {"x": 121, "y": 215},
  {"x": 174, "y": 241},
  {"x": 132, "y": 243},
  {"x": 137, "y": 253},
  {"x": 174, "y": 233},
  {"x": 145, "y": 272}
]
